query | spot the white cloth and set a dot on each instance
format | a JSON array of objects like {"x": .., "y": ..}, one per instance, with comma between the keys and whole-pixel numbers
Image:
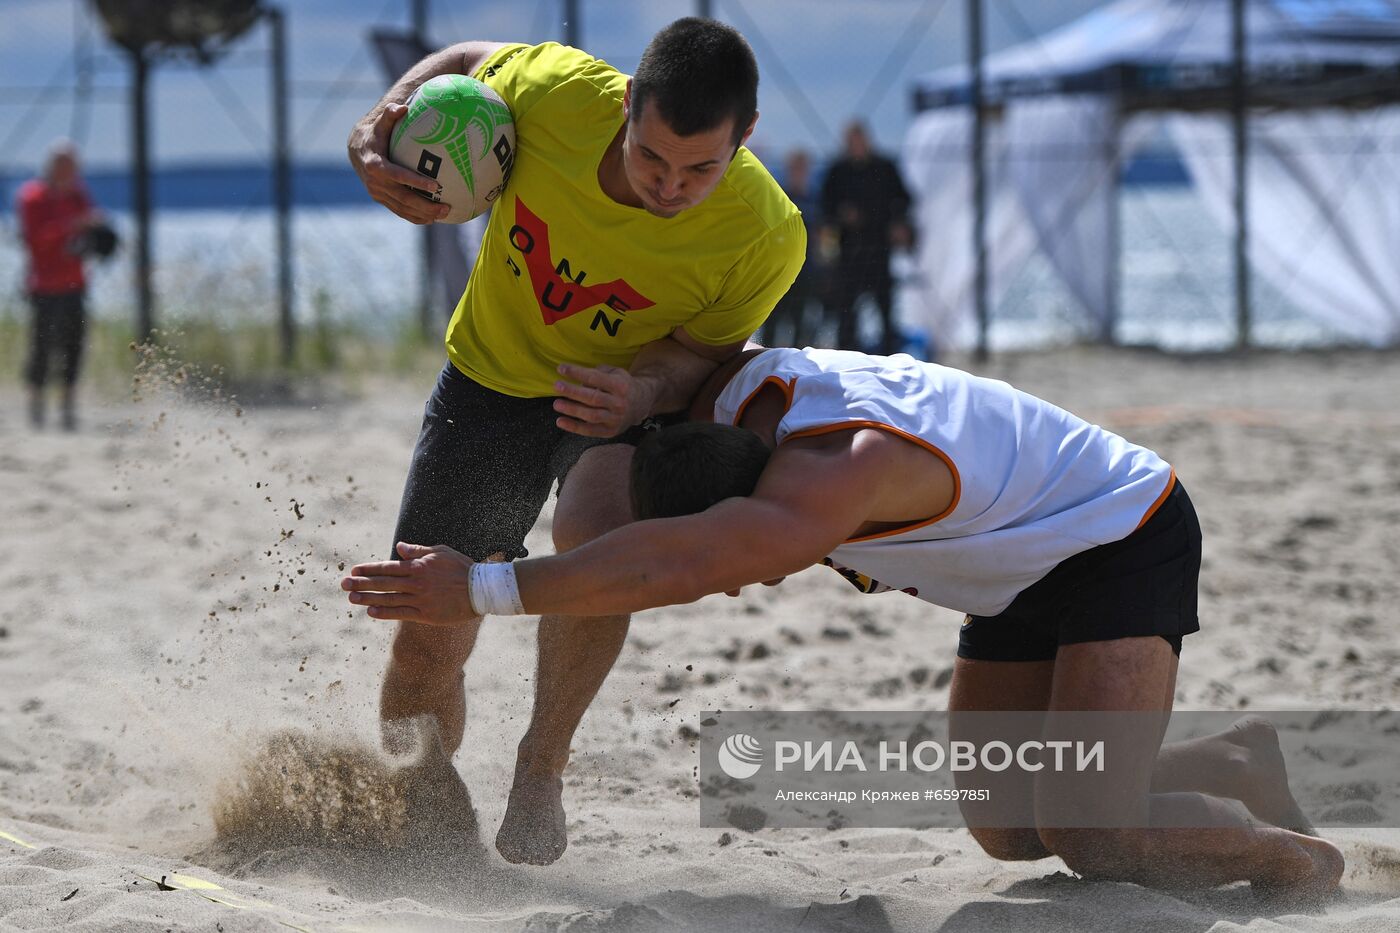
[
  {"x": 1063, "y": 157},
  {"x": 493, "y": 589},
  {"x": 1034, "y": 483},
  {"x": 936, "y": 165},
  {"x": 1324, "y": 213}
]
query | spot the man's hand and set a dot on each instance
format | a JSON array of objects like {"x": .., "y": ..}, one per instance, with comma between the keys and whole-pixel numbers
[
  {"x": 664, "y": 376},
  {"x": 389, "y": 184},
  {"x": 428, "y": 586},
  {"x": 602, "y": 401},
  {"x": 773, "y": 582}
]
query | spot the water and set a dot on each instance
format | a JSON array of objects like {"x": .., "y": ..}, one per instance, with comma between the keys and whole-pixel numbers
[
  {"x": 362, "y": 266},
  {"x": 219, "y": 265}
]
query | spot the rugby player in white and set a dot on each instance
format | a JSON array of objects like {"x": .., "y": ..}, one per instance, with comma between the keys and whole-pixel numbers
[{"x": 1074, "y": 553}]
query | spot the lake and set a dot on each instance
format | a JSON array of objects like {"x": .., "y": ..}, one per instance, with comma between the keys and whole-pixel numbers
[{"x": 362, "y": 264}]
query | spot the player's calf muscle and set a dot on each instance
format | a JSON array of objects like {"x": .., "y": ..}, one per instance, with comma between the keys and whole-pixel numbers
[{"x": 1011, "y": 845}]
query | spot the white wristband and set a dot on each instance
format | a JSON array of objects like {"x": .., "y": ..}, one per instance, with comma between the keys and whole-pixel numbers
[{"x": 493, "y": 589}]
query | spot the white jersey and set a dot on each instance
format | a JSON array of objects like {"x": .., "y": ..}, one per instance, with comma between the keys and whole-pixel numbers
[{"x": 1033, "y": 484}]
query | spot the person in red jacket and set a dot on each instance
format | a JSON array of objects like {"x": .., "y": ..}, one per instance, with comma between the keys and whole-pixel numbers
[{"x": 54, "y": 212}]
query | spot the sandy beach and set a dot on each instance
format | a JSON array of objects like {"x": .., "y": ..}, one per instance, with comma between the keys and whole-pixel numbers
[{"x": 173, "y": 621}]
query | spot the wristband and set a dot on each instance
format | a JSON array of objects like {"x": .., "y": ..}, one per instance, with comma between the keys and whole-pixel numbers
[{"x": 493, "y": 589}]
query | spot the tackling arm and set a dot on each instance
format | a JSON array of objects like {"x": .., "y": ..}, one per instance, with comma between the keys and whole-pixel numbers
[
  {"x": 604, "y": 401},
  {"x": 806, "y": 504},
  {"x": 673, "y": 369},
  {"x": 815, "y": 493}
]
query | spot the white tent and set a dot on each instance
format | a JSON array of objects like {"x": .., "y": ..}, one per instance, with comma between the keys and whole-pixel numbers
[{"x": 1065, "y": 111}]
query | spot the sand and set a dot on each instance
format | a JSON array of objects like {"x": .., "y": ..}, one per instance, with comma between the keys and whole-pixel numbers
[{"x": 172, "y": 614}]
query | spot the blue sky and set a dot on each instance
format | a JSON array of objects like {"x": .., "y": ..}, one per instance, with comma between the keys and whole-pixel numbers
[{"x": 820, "y": 60}]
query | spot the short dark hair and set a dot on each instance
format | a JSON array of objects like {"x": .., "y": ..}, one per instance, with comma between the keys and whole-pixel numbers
[
  {"x": 689, "y": 467},
  {"x": 700, "y": 73}
]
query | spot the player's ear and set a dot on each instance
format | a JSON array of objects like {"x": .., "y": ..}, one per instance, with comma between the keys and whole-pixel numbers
[
  {"x": 749, "y": 132},
  {"x": 627, "y": 99}
]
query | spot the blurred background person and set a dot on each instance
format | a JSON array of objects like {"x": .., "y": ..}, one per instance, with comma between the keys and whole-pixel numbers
[
  {"x": 55, "y": 216},
  {"x": 865, "y": 203},
  {"x": 791, "y": 324}
]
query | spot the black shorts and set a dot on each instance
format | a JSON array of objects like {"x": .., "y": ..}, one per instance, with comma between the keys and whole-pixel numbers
[
  {"x": 483, "y": 467},
  {"x": 1144, "y": 584}
]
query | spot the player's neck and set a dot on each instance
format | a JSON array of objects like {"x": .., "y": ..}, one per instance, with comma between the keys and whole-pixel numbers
[
  {"x": 763, "y": 412},
  {"x": 612, "y": 176}
]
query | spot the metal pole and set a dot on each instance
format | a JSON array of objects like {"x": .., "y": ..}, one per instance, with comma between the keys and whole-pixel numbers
[
  {"x": 282, "y": 182},
  {"x": 1239, "y": 104},
  {"x": 705, "y": 9},
  {"x": 573, "y": 29},
  {"x": 82, "y": 57},
  {"x": 1114, "y": 223},
  {"x": 429, "y": 265},
  {"x": 979, "y": 178},
  {"x": 141, "y": 193}
]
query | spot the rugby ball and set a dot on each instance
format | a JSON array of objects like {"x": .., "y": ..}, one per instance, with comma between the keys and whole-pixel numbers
[{"x": 459, "y": 132}]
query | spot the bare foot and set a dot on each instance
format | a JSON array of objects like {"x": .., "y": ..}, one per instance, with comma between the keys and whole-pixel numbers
[
  {"x": 440, "y": 807},
  {"x": 405, "y": 737},
  {"x": 533, "y": 831},
  {"x": 1301, "y": 870},
  {"x": 1264, "y": 784}
]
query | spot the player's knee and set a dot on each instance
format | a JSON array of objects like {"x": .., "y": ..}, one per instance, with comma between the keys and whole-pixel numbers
[
  {"x": 594, "y": 499},
  {"x": 1010, "y": 845},
  {"x": 578, "y": 527},
  {"x": 1103, "y": 854},
  {"x": 426, "y": 650}
]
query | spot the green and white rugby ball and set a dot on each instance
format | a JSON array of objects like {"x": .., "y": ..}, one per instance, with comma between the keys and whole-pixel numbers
[{"x": 459, "y": 132}]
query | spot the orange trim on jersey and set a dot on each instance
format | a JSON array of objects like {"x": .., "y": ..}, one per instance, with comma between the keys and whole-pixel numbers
[
  {"x": 1152, "y": 509},
  {"x": 785, "y": 387},
  {"x": 948, "y": 461}
]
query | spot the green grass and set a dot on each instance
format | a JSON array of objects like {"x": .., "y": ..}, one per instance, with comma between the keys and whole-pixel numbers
[{"x": 244, "y": 358}]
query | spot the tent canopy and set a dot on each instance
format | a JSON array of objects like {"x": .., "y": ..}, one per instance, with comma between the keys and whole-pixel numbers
[
  {"x": 1065, "y": 110},
  {"x": 1175, "y": 54}
]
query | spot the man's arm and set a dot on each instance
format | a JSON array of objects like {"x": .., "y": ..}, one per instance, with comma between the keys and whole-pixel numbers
[
  {"x": 368, "y": 146},
  {"x": 899, "y": 193},
  {"x": 833, "y": 199},
  {"x": 674, "y": 369},
  {"x": 664, "y": 376},
  {"x": 677, "y": 560},
  {"x": 901, "y": 229},
  {"x": 808, "y": 501}
]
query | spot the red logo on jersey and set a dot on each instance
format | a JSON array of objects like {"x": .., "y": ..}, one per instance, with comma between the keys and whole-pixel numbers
[{"x": 559, "y": 293}]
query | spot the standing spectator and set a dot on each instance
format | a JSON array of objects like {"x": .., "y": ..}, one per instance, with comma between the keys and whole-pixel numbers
[
  {"x": 864, "y": 201},
  {"x": 788, "y": 322},
  {"x": 54, "y": 212}
]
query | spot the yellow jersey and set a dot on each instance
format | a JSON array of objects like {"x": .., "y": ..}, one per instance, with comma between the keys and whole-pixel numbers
[{"x": 567, "y": 274}]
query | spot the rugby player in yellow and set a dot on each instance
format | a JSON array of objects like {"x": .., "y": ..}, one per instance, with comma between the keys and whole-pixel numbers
[{"x": 635, "y": 248}]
